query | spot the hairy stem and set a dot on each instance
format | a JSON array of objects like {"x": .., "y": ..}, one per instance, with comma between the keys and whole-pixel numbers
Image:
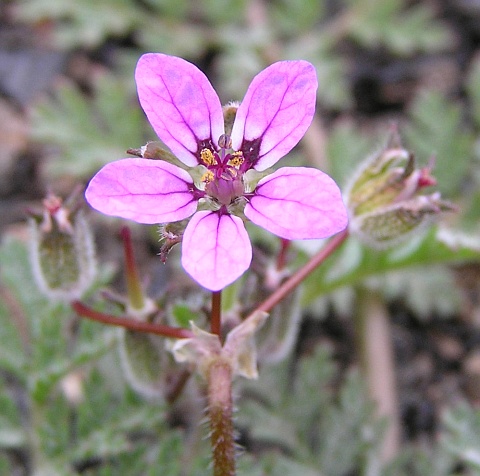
[{"x": 219, "y": 378}]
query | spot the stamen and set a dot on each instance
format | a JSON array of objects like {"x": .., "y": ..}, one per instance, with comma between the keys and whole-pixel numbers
[
  {"x": 225, "y": 142},
  {"x": 207, "y": 157},
  {"x": 208, "y": 176},
  {"x": 236, "y": 159}
]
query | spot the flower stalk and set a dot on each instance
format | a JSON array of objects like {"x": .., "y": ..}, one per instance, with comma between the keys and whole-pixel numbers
[
  {"x": 291, "y": 283},
  {"x": 132, "y": 324},
  {"x": 134, "y": 289},
  {"x": 215, "y": 318}
]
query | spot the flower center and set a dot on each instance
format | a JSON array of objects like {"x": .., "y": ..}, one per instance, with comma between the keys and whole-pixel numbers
[{"x": 223, "y": 177}]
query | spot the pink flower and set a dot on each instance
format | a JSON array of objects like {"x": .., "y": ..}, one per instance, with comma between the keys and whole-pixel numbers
[{"x": 185, "y": 112}]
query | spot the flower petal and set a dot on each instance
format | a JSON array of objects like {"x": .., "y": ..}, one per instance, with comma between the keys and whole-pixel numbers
[
  {"x": 298, "y": 203},
  {"x": 216, "y": 249},
  {"x": 276, "y": 112},
  {"x": 180, "y": 103},
  {"x": 146, "y": 191}
]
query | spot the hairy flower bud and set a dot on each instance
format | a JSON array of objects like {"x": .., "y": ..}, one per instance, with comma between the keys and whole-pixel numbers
[
  {"x": 143, "y": 362},
  {"x": 229, "y": 114},
  {"x": 61, "y": 251},
  {"x": 170, "y": 235},
  {"x": 386, "y": 199},
  {"x": 155, "y": 150}
]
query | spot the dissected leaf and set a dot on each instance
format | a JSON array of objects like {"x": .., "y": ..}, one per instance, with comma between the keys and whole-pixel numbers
[
  {"x": 303, "y": 417},
  {"x": 83, "y": 23},
  {"x": 462, "y": 438},
  {"x": 402, "y": 30},
  {"x": 437, "y": 129},
  {"x": 358, "y": 263},
  {"x": 89, "y": 132}
]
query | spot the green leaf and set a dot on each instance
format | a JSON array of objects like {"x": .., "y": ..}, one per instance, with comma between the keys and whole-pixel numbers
[
  {"x": 85, "y": 23},
  {"x": 402, "y": 30},
  {"x": 473, "y": 88},
  {"x": 355, "y": 263},
  {"x": 5, "y": 466},
  {"x": 169, "y": 456},
  {"x": 143, "y": 361},
  {"x": 41, "y": 354},
  {"x": 89, "y": 132},
  {"x": 347, "y": 429},
  {"x": 292, "y": 16},
  {"x": 437, "y": 129},
  {"x": 299, "y": 413},
  {"x": 47, "y": 376},
  {"x": 284, "y": 410},
  {"x": 222, "y": 11},
  {"x": 12, "y": 434},
  {"x": 170, "y": 8},
  {"x": 182, "y": 313},
  {"x": 332, "y": 69},
  {"x": 347, "y": 148},
  {"x": 414, "y": 461},
  {"x": 462, "y": 438}
]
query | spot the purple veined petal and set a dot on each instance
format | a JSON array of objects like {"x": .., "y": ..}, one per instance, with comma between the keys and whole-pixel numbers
[
  {"x": 145, "y": 191},
  {"x": 276, "y": 112},
  {"x": 298, "y": 203},
  {"x": 180, "y": 103},
  {"x": 216, "y": 249}
]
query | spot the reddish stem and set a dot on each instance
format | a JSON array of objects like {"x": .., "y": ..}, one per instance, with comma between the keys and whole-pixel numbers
[
  {"x": 132, "y": 324},
  {"x": 282, "y": 255},
  {"x": 290, "y": 284},
  {"x": 134, "y": 288},
  {"x": 176, "y": 387},
  {"x": 215, "y": 319}
]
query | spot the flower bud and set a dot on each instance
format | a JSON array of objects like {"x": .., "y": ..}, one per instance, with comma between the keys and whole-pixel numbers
[
  {"x": 386, "y": 199},
  {"x": 229, "y": 114},
  {"x": 61, "y": 250},
  {"x": 143, "y": 362},
  {"x": 170, "y": 235},
  {"x": 155, "y": 150}
]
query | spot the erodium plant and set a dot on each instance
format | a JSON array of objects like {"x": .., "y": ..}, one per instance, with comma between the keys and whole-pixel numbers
[{"x": 216, "y": 176}]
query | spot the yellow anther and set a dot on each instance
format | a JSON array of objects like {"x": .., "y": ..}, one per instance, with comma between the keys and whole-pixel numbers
[
  {"x": 208, "y": 176},
  {"x": 207, "y": 157},
  {"x": 236, "y": 160}
]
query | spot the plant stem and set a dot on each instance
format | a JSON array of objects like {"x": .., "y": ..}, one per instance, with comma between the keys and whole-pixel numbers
[
  {"x": 219, "y": 378},
  {"x": 132, "y": 324},
  {"x": 374, "y": 341},
  {"x": 134, "y": 288},
  {"x": 215, "y": 318},
  {"x": 290, "y": 284},
  {"x": 282, "y": 255}
]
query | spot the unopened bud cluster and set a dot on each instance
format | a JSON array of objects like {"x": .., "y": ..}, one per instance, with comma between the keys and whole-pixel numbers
[{"x": 386, "y": 198}]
